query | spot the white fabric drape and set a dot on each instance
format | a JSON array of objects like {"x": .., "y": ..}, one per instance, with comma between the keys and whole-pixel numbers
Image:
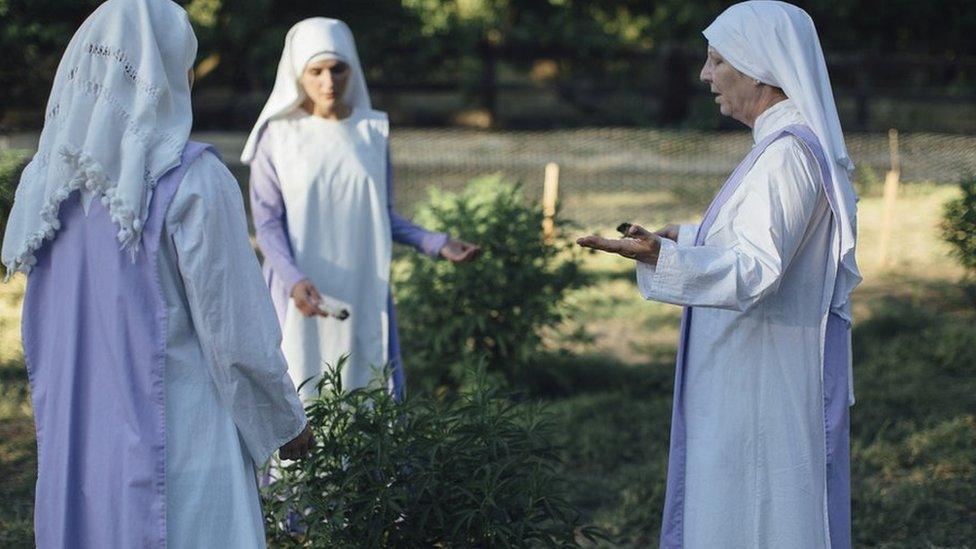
[
  {"x": 229, "y": 402},
  {"x": 333, "y": 182},
  {"x": 777, "y": 44},
  {"x": 117, "y": 120}
]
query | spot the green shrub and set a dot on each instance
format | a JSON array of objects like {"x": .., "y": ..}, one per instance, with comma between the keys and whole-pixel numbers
[
  {"x": 959, "y": 225},
  {"x": 867, "y": 182},
  {"x": 471, "y": 471},
  {"x": 455, "y": 316},
  {"x": 12, "y": 162}
]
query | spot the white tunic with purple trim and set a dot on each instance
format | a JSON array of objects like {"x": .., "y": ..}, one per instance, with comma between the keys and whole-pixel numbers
[
  {"x": 322, "y": 201},
  {"x": 755, "y": 404}
]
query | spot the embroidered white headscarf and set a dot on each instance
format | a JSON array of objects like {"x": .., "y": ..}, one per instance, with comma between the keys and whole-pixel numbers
[
  {"x": 315, "y": 38},
  {"x": 777, "y": 44},
  {"x": 117, "y": 120}
]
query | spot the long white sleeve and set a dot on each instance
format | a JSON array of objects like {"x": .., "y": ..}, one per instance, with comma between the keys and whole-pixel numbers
[
  {"x": 749, "y": 248},
  {"x": 231, "y": 308}
]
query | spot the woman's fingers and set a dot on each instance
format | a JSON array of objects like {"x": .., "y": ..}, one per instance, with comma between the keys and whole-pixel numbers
[
  {"x": 313, "y": 301},
  {"x": 644, "y": 248},
  {"x": 305, "y": 307},
  {"x": 627, "y": 247},
  {"x": 636, "y": 231},
  {"x": 313, "y": 295},
  {"x": 458, "y": 251},
  {"x": 300, "y": 294},
  {"x": 469, "y": 252},
  {"x": 668, "y": 231},
  {"x": 299, "y": 446}
]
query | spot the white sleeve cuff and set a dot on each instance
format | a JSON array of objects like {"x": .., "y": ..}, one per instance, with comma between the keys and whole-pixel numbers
[{"x": 649, "y": 277}]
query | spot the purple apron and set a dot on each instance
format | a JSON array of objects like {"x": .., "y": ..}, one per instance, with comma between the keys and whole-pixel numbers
[
  {"x": 94, "y": 336},
  {"x": 835, "y": 378}
]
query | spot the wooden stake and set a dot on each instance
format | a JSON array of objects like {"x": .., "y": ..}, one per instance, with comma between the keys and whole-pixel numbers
[
  {"x": 893, "y": 150},
  {"x": 892, "y": 179},
  {"x": 550, "y": 192}
]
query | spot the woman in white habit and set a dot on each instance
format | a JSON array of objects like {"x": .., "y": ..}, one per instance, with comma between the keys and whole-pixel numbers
[
  {"x": 322, "y": 201},
  {"x": 157, "y": 379},
  {"x": 760, "y": 445}
]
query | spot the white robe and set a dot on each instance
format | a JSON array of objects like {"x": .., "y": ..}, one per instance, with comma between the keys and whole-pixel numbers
[
  {"x": 206, "y": 265},
  {"x": 333, "y": 183},
  {"x": 754, "y": 408}
]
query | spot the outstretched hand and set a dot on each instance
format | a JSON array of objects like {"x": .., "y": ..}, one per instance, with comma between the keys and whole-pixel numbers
[
  {"x": 459, "y": 251},
  {"x": 638, "y": 243}
]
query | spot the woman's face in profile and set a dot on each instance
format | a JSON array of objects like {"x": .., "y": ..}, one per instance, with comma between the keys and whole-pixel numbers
[{"x": 734, "y": 92}]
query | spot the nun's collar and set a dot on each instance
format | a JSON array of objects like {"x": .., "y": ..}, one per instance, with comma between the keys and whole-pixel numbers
[{"x": 775, "y": 118}]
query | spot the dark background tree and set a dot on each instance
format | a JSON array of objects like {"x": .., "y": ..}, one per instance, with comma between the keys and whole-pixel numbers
[{"x": 621, "y": 62}]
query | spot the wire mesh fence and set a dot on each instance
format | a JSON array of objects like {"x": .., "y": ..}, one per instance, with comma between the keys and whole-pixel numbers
[
  {"x": 611, "y": 174},
  {"x": 608, "y": 175}
]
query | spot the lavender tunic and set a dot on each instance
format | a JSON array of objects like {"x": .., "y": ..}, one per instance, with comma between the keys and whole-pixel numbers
[{"x": 280, "y": 270}]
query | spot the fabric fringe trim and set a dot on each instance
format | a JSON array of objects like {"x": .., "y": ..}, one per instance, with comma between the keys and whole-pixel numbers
[{"x": 88, "y": 174}]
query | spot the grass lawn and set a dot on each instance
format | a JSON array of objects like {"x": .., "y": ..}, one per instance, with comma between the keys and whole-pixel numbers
[{"x": 914, "y": 431}]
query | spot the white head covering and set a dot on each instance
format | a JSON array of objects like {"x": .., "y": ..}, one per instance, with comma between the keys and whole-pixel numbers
[
  {"x": 311, "y": 39},
  {"x": 117, "y": 119},
  {"x": 777, "y": 44}
]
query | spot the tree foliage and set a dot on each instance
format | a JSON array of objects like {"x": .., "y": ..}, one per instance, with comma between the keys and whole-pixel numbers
[
  {"x": 404, "y": 42},
  {"x": 959, "y": 225}
]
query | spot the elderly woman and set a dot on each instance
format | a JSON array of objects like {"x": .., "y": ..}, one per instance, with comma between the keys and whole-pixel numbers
[
  {"x": 759, "y": 436},
  {"x": 322, "y": 200},
  {"x": 156, "y": 376}
]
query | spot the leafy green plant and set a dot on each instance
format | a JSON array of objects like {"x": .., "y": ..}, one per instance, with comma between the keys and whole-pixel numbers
[
  {"x": 472, "y": 471},
  {"x": 494, "y": 308},
  {"x": 867, "y": 182},
  {"x": 959, "y": 225}
]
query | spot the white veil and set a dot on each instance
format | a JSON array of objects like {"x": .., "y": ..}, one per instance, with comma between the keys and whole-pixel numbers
[
  {"x": 777, "y": 44},
  {"x": 307, "y": 39},
  {"x": 117, "y": 120}
]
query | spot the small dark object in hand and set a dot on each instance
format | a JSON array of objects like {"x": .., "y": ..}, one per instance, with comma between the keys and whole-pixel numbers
[
  {"x": 341, "y": 314},
  {"x": 623, "y": 228}
]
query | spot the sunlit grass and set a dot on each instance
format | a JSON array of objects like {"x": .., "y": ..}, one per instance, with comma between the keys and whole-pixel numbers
[
  {"x": 17, "y": 449},
  {"x": 11, "y": 295},
  {"x": 14, "y": 401}
]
